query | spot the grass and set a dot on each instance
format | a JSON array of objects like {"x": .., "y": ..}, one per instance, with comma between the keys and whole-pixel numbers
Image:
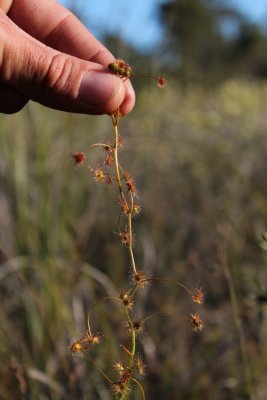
[{"x": 199, "y": 160}]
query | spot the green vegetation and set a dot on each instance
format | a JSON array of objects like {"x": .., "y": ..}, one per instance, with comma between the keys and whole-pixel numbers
[{"x": 208, "y": 41}]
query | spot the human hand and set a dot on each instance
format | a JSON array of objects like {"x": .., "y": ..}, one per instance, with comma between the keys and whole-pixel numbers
[{"x": 48, "y": 56}]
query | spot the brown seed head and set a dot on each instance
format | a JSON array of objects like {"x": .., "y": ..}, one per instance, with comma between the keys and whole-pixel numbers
[
  {"x": 137, "y": 327},
  {"x": 76, "y": 347},
  {"x": 126, "y": 300},
  {"x": 119, "y": 368},
  {"x": 121, "y": 68},
  {"x": 120, "y": 389},
  {"x": 109, "y": 160},
  {"x": 108, "y": 148},
  {"x": 130, "y": 182},
  {"x": 85, "y": 341},
  {"x": 99, "y": 174},
  {"x": 141, "y": 367},
  {"x": 136, "y": 210},
  {"x": 198, "y": 296},
  {"x": 126, "y": 238},
  {"x": 95, "y": 339},
  {"x": 196, "y": 321},
  {"x": 120, "y": 144},
  {"x": 139, "y": 278},
  {"x": 125, "y": 209},
  {"x": 161, "y": 81},
  {"x": 126, "y": 375},
  {"x": 79, "y": 157}
]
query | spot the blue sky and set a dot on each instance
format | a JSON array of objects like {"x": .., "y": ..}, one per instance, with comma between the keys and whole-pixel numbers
[
  {"x": 136, "y": 21},
  {"x": 256, "y": 9}
]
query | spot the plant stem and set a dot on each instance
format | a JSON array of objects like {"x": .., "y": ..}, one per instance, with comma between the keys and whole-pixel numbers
[
  {"x": 97, "y": 367},
  {"x": 133, "y": 349},
  {"x": 115, "y": 122},
  {"x": 140, "y": 387}
]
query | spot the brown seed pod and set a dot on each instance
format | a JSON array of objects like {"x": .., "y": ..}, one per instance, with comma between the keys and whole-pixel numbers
[{"x": 121, "y": 68}]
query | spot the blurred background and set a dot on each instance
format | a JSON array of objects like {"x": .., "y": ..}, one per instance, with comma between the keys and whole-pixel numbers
[{"x": 198, "y": 152}]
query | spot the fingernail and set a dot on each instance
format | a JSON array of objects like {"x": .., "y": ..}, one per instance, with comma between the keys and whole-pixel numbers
[{"x": 98, "y": 88}]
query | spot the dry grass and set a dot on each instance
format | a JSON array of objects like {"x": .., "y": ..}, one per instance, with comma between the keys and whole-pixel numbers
[{"x": 199, "y": 160}]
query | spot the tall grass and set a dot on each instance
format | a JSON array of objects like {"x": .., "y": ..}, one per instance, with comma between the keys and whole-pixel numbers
[{"x": 200, "y": 165}]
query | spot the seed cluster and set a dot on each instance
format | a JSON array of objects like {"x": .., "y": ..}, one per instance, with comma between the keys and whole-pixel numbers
[{"x": 111, "y": 172}]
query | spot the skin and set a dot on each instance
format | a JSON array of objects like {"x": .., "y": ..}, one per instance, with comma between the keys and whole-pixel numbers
[{"x": 45, "y": 55}]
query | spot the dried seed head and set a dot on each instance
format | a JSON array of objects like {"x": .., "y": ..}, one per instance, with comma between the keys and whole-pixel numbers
[
  {"x": 119, "y": 368},
  {"x": 126, "y": 300},
  {"x": 121, "y": 68},
  {"x": 108, "y": 148},
  {"x": 196, "y": 321},
  {"x": 95, "y": 339},
  {"x": 137, "y": 327},
  {"x": 125, "y": 375},
  {"x": 126, "y": 238},
  {"x": 141, "y": 367},
  {"x": 198, "y": 296},
  {"x": 125, "y": 209},
  {"x": 99, "y": 174},
  {"x": 109, "y": 179},
  {"x": 161, "y": 81},
  {"x": 120, "y": 389},
  {"x": 76, "y": 347},
  {"x": 139, "y": 278},
  {"x": 120, "y": 144},
  {"x": 136, "y": 210},
  {"x": 130, "y": 182},
  {"x": 79, "y": 157},
  {"x": 85, "y": 341},
  {"x": 109, "y": 160}
]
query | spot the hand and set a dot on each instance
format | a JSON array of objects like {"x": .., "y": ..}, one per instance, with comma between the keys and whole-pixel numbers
[{"x": 48, "y": 56}]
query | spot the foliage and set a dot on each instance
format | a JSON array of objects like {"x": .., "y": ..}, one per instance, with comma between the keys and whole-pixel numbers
[{"x": 208, "y": 41}]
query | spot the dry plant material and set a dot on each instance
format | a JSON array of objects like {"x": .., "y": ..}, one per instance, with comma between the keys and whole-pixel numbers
[{"x": 112, "y": 172}]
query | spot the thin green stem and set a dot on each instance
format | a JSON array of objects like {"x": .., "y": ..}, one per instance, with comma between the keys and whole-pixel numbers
[
  {"x": 131, "y": 235},
  {"x": 171, "y": 281},
  {"x": 167, "y": 314},
  {"x": 115, "y": 122},
  {"x": 132, "y": 259},
  {"x": 133, "y": 337},
  {"x": 97, "y": 367},
  {"x": 133, "y": 348},
  {"x": 134, "y": 291},
  {"x": 94, "y": 305},
  {"x": 140, "y": 387}
]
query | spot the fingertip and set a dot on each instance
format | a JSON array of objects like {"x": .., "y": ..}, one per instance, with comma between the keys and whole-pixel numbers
[
  {"x": 122, "y": 96},
  {"x": 129, "y": 99},
  {"x": 101, "y": 90}
]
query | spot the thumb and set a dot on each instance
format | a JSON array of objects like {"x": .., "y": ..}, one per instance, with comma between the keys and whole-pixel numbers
[{"x": 57, "y": 80}]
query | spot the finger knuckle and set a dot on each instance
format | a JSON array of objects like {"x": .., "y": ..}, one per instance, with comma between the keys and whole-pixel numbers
[{"x": 61, "y": 74}]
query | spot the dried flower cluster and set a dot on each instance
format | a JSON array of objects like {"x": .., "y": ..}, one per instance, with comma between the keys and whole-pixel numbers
[{"x": 110, "y": 172}]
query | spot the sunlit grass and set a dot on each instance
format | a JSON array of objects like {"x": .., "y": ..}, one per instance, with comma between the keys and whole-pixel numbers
[{"x": 200, "y": 160}]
